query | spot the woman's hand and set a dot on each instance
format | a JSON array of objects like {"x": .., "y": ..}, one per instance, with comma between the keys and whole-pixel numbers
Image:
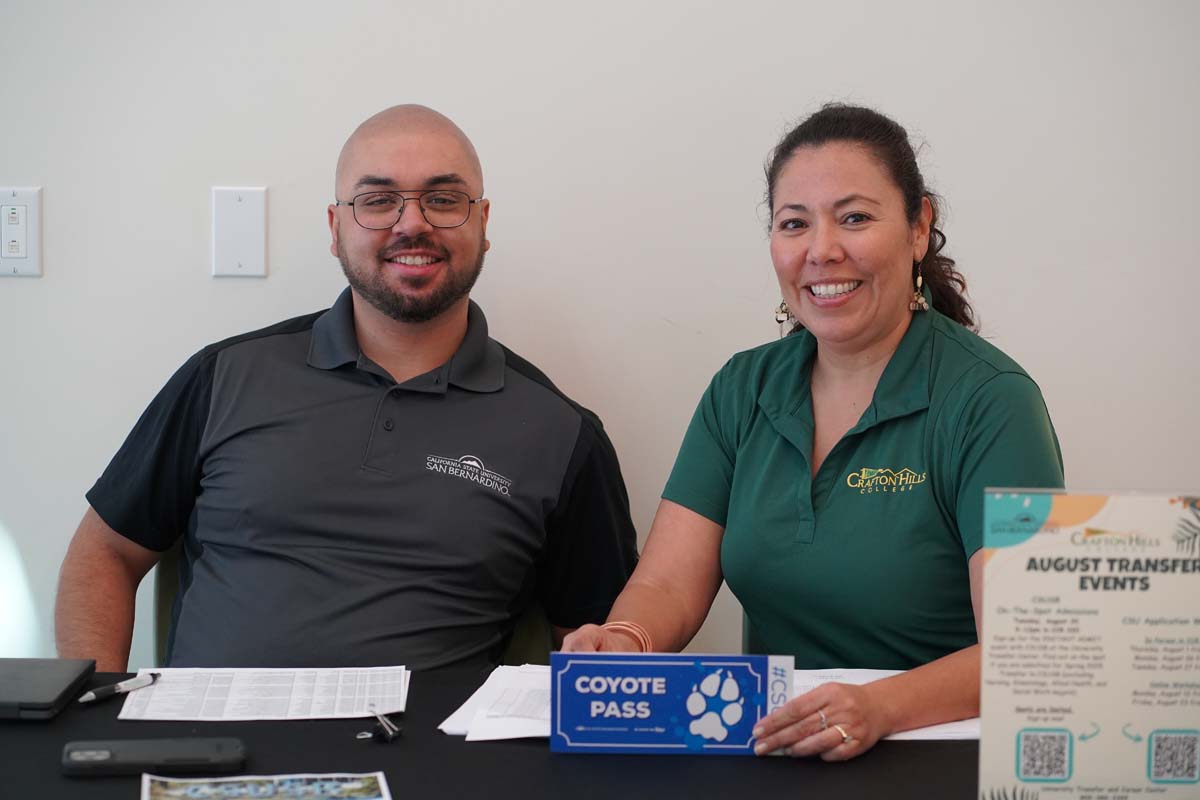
[
  {"x": 836, "y": 721},
  {"x": 594, "y": 639}
]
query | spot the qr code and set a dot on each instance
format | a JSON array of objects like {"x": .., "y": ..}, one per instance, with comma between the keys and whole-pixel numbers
[
  {"x": 1044, "y": 755},
  {"x": 1174, "y": 756}
]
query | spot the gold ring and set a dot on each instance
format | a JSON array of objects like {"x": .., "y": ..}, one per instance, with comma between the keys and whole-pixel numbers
[
  {"x": 846, "y": 738},
  {"x": 824, "y": 721}
]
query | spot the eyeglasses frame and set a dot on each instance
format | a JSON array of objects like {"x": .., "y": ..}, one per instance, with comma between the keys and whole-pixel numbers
[{"x": 404, "y": 204}]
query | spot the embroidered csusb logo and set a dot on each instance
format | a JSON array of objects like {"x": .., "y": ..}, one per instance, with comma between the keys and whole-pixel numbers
[
  {"x": 870, "y": 481},
  {"x": 469, "y": 468}
]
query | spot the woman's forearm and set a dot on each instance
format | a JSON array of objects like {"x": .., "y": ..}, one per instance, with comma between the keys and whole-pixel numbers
[
  {"x": 940, "y": 691},
  {"x": 670, "y": 620}
]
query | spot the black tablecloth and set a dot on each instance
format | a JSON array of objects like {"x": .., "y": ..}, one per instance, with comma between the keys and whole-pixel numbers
[{"x": 427, "y": 763}]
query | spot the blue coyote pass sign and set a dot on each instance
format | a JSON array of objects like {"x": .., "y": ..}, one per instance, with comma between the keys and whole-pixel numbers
[{"x": 635, "y": 703}]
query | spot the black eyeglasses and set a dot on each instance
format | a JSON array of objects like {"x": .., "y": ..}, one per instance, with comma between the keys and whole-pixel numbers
[{"x": 442, "y": 208}]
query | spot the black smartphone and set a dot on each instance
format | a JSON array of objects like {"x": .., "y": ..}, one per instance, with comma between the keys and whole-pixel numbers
[{"x": 159, "y": 756}]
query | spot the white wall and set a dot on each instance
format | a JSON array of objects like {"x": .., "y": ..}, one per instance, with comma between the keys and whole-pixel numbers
[{"x": 622, "y": 145}]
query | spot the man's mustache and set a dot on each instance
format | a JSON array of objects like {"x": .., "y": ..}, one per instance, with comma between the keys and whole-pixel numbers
[{"x": 413, "y": 243}]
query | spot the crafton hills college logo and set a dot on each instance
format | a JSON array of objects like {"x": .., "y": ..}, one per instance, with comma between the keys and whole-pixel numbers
[
  {"x": 871, "y": 481},
  {"x": 469, "y": 468}
]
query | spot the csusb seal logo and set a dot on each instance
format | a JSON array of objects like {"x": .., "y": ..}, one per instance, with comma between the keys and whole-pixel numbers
[
  {"x": 869, "y": 481},
  {"x": 1023, "y": 523},
  {"x": 469, "y": 468}
]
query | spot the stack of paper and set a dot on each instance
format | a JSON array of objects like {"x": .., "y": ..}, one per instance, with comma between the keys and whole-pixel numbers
[
  {"x": 514, "y": 703},
  {"x": 247, "y": 694}
]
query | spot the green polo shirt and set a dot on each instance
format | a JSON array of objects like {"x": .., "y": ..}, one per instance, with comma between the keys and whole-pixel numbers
[{"x": 864, "y": 564}]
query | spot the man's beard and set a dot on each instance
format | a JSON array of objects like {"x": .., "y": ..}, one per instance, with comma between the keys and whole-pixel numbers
[{"x": 372, "y": 287}]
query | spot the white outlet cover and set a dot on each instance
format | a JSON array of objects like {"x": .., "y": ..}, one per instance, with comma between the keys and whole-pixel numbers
[
  {"x": 239, "y": 231},
  {"x": 23, "y": 259}
]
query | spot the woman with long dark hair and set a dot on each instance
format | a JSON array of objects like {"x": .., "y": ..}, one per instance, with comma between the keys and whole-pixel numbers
[{"x": 835, "y": 478}]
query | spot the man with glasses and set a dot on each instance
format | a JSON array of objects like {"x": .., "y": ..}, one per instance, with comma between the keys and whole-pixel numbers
[{"x": 378, "y": 483}]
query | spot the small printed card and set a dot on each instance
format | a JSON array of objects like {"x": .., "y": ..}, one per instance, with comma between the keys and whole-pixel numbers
[
  {"x": 334, "y": 786},
  {"x": 650, "y": 703},
  {"x": 1091, "y": 646}
]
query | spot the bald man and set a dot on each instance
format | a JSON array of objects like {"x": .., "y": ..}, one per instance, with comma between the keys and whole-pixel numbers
[{"x": 377, "y": 483}]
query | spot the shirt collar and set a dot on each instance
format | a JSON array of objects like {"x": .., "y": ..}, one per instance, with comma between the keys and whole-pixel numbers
[
  {"x": 333, "y": 340},
  {"x": 903, "y": 387},
  {"x": 477, "y": 365}
]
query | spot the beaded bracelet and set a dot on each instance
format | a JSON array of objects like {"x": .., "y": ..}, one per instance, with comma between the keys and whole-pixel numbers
[{"x": 633, "y": 630}]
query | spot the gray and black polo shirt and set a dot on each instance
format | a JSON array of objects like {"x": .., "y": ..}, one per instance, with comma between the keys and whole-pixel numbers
[{"x": 334, "y": 517}]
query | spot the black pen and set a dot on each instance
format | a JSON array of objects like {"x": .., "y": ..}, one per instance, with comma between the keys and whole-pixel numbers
[{"x": 123, "y": 687}]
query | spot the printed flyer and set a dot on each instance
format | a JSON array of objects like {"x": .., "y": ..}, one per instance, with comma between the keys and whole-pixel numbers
[
  {"x": 1091, "y": 647},
  {"x": 335, "y": 786},
  {"x": 653, "y": 703}
]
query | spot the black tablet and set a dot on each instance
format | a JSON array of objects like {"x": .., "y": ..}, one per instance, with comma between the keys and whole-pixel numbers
[{"x": 38, "y": 688}]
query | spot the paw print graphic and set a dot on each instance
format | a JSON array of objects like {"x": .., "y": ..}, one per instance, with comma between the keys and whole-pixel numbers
[{"x": 723, "y": 695}]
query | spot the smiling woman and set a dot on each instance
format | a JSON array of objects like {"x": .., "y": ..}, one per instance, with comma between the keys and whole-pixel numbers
[
  {"x": 835, "y": 478},
  {"x": 875, "y": 154}
]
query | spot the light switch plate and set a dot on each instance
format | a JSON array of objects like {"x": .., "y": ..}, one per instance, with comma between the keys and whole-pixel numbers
[
  {"x": 239, "y": 231},
  {"x": 21, "y": 231}
]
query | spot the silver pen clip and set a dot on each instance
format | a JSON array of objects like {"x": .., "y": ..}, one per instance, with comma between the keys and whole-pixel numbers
[{"x": 385, "y": 729}]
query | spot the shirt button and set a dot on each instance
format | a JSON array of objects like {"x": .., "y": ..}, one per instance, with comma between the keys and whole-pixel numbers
[{"x": 388, "y": 424}]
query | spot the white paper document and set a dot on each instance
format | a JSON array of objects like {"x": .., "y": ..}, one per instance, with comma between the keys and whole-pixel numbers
[
  {"x": 216, "y": 695},
  {"x": 806, "y": 680},
  {"x": 514, "y": 703},
  {"x": 1090, "y": 685}
]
